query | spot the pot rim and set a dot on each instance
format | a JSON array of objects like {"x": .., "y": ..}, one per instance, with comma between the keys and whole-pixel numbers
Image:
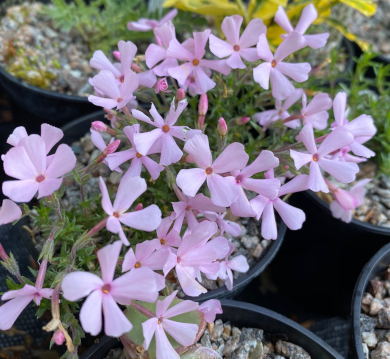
[
  {"x": 360, "y": 287},
  {"x": 356, "y": 223}
]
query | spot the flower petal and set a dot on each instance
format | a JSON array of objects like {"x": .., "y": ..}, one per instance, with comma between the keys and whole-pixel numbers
[
  {"x": 108, "y": 258},
  {"x": 337, "y": 139},
  {"x": 216, "y": 65},
  {"x": 293, "y": 217},
  {"x": 263, "y": 49},
  {"x": 258, "y": 204},
  {"x": 152, "y": 167},
  {"x": 77, "y": 285},
  {"x": 170, "y": 151},
  {"x": 297, "y": 184},
  {"x": 241, "y": 206},
  {"x": 266, "y": 187},
  {"x": 222, "y": 191},
  {"x": 127, "y": 51},
  {"x": 100, "y": 61},
  {"x": 48, "y": 187},
  {"x": 130, "y": 85},
  {"x": 106, "y": 82},
  {"x": 114, "y": 226},
  {"x": 199, "y": 149},
  {"x": 183, "y": 333},
  {"x": 268, "y": 225},
  {"x": 145, "y": 141},
  {"x": 163, "y": 68},
  {"x": 293, "y": 42},
  {"x": 264, "y": 161},
  {"x": 307, "y": 137},
  {"x": 344, "y": 172},
  {"x": 115, "y": 321},
  {"x": 261, "y": 74},
  {"x": 232, "y": 158},
  {"x": 10, "y": 311},
  {"x": 281, "y": 86},
  {"x": 18, "y": 164},
  {"x": 235, "y": 62},
  {"x": 298, "y": 72},
  {"x": 50, "y": 135},
  {"x": 188, "y": 283},
  {"x": 9, "y": 212},
  {"x": 282, "y": 20},
  {"x": 253, "y": 30},
  {"x": 147, "y": 219},
  {"x": 102, "y": 102},
  {"x": 62, "y": 162},
  {"x": 179, "y": 52},
  {"x": 91, "y": 313},
  {"x": 316, "y": 181},
  {"x": 164, "y": 348},
  {"x": 190, "y": 180},
  {"x": 231, "y": 28},
  {"x": 106, "y": 201},
  {"x": 250, "y": 54},
  {"x": 148, "y": 329},
  {"x": 125, "y": 198},
  {"x": 316, "y": 41},
  {"x": 309, "y": 14},
  {"x": 219, "y": 47},
  {"x": 20, "y": 191},
  {"x": 18, "y": 133},
  {"x": 203, "y": 83}
]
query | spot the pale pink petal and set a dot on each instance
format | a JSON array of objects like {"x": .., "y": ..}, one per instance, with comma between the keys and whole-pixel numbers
[
  {"x": 100, "y": 61},
  {"x": 36, "y": 150},
  {"x": 319, "y": 103},
  {"x": 210, "y": 308},
  {"x": 232, "y": 158},
  {"x": 145, "y": 141},
  {"x": 203, "y": 203},
  {"x": 264, "y": 161},
  {"x": 106, "y": 202},
  {"x": 162, "y": 69},
  {"x": 201, "y": 255},
  {"x": 10, "y": 311},
  {"x": 164, "y": 348},
  {"x": 339, "y": 106},
  {"x": 261, "y": 74},
  {"x": 153, "y": 168},
  {"x": 77, "y": 285},
  {"x": 157, "y": 261},
  {"x": 298, "y": 72},
  {"x": 309, "y": 14},
  {"x": 297, "y": 184},
  {"x": 229, "y": 279},
  {"x": 300, "y": 159},
  {"x": 20, "y": 191},
  {"x": 147, "y": 78},
  {"x": 263, "y": 49},
  {"x": 293, "y": 217},
  {"x": 144, "y": 249},
  {"x": 154, "y": 54},
  {"x": 129, "y": 85},
  {"x": 222, "y": 191},
  {"x": 173, "y": 238},
  {"x": 19, "y": 133},
  {"x": 18, "y": 164},
  {"x": 140, "y": 116},
  {"x": 114, "y": 226},
  {"x": 179, "y": 52},
  {"x": 51, "y": 135},
  {"x": 219, "y": 47},
  {"x": 170, "y": 151},
  {"x": 199, "y": 149},
  {"x": 9, "y": 212},
  {"x": 183, "y": 333},
  {"x": 231, "y": 28},
  {"x": 232, "y": 228},
  {"x": 361, "y": 126},
  {"x": 127, "y": 51},
  {"x": 166, "y": 32},
  {"x": 281, "y": 86},
  {"x": 293, "y": 42},
  {"x": 316, "y": 41},
  {"x": 140, "y": 25},
  {"x": 266, "y": 117},
  {"x": 91, "y": 313},
  {"x": 282, "y": 20},
  {"x": 200, "y": 40},
  {"x": 102, "y": 102},
  {"x": 239, "y": 264},
  {"x": 48, "y": 186},
  {"x": 315, "y": 181},
  {"x": 115, "y": 321},
  {"x": 268, "y": 225},
  {"x": 174, "y": 113},
  {"x": 318, "y": 120},
  {"x": 241, "y": 206},
  {"x": 181, "y": 73},
  {"x": 129, "y": 260},
  {"x": 307, "y": 137},
  {"x": 337, "y": 139},
  {"x": 266, "y": 187},
  {"x": 148, "y": 329},
  {"x": 168, "y": 17},
  {"x": 189, "y": 285},
  {"x": 108, "y": 257},
  {"x": 250, "y": 54},
  {"x": 97, "y": 140},
  {"x": 216, "y": 65},
  {"x": 62, "y": 162},
  {"x": 220, "y": 245},
  {"x": 258, "y": 204},
  {"x": 191, "y": 180},
  {"x": 344, "y": 172},
  {"x": 147, "y": 219},
  {"x": 158, "y": 120},
  {"x": 27, "y": 290},
  {"x": 250, "y": 35},
  {"x": 125, "y": 198},
  {"x": 205, "y": 229},
  {"x": 290, "y": 100},
  {"x": 114, "y": 160},
  {"x": 181, "y": 132},
  {"x": 361, "y": 150},
  {"x": 235, "y": 62},
  {"x": 202, "y": 82},
  {"x": 339, "y": 212},
  {"x": 106, "y": 82},
  {"x": 180, "y": 308}
]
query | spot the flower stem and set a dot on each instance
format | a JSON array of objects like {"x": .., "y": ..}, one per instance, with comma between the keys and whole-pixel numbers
[
  {"x": 145, "y": 311},
  {"x": 293, "y": 117}
]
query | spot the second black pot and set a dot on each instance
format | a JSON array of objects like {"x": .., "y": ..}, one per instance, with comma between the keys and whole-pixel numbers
[{"x": 242, "y": 314}]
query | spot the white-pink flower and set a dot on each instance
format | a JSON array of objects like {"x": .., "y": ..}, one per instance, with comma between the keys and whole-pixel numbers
[
  {"x": 166, "y": 238},
  {"x": 137, "y": 160},
  {"x": 28, "y": 162},
  {"x": 275, "y": 70},
  {"x": 104, "y": 293},
  {"x": 183, "y": 333},
  {"x": 210, "y": 309},
  {"x": 293, "y": 217},
  {"x": 98, "y": 141},
  {"x": 223, "y": 192},
  {"x": 147, "y": 219},
  {"x": 191, "y": 53},
  {"x": 9, "y": 212},
  {"x": 344, "y": 172},
  {"x": 236, "y": 47},
  {"x": 224, "y": 225},
  {"x": 316, "y": 112},
  {"x": 150, "y": 24},
  {"x": 308, "y": 16}
]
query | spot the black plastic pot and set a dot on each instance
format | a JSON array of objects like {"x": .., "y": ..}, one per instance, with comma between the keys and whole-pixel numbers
[
  {"x": 49, "y": 105},
  {"x": 318, "y": 265},
  {"x": 376, "y": 266},
  {"x": 242, "y": 314}
]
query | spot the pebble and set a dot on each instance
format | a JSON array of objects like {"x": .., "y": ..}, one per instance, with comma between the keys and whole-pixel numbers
[
  {"x": 382, "y": 351},
  {"x": 384, "y": 318},
  {"x": 290, "y": 350},
  {"x": 367, "y": 323},
  {"x": 370, "y": 339}
]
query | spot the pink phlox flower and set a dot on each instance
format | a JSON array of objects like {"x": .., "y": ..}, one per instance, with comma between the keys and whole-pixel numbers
[
  {"x": 150, "y": 24},
  {"x": 242, "y": 180},
  {"x": 362, "y": 127},
  {"x": 197, "y": 254},
  {"x": 112, "y": 116},
  {"x": 308, "y": 16},
  {"x": 9, "y": 212},
  {"x": 210, "y": 309},
  {"x": 237, "y": 47},
  {"x": 231, "y": 228},
  {"x": 137, "y": 160},
  {"x": 346, "y": 201},
  {"x": 190, "y": 85},
  {"x": 275, "y": 70},
  {"x": 20, "y": 298},
  {"x": 316, "y": 112},
  {"x": 162, "y": 86},
  {"x": 117, "y": 95},
  {"x": 183, "y": 333},
  {"x": 265, "y": 118},
  {"x": 165, "y": 132},
  {"x": 28, "y": 162},
  {"x": 146, "y": 256},
  {"x": 167, "y": 238},
  {"x": 147, "y": 219},
  {"x": 344, "y": 172},
  {"x": 104, "y": 293},
  {"x": 238, "y": 263},
  {"x": 158, "y": 53},
  {"x": 293, "y": 217},
  {"x": 344, "y": 155},
  {"x": 189, "y": 207},
  {"x": 192, "y": 54},
  {"x": 223, "y": 192}
]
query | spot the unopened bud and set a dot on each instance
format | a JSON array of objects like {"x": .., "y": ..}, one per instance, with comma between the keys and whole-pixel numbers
[
  {"x": 138, "y": 207},
  {"x": 135, "y": 68},
  {"x": 99, "y": 126},
  {"x": 117, "y": 55},
  {"x": 161, "y": 86},
  {"x": 222, "y": 127},
  {"x": 180, "y": 95},
  {"x": 203, "y": 105},
  {"x": 58, "y": 337},
  {"x": 112, "y": 147},
  {"x": 3, "y": 255},
  {"x": 242, "y": 120}
]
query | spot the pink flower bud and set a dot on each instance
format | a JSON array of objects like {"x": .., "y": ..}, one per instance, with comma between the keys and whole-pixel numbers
[
  {"x": 112, "y": 147},
  {"x": 242, "y": 120},
  {"x": 99, "y": 126},
  {"x": 222, "y": 127},
  {"x": 117, "y": 55},
  {"x": 203, "y": 105},
  {"x": 161, "y": 86},
  {"x": 136, "y": 68},
  {"x": 58, "y": 337},
  {"x": 180, "y": 95},
  {"x": 3, "y": 255},
  {"x": 138, "y": 207}
]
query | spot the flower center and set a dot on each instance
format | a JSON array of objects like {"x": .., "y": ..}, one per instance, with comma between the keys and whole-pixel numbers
[
  {"x": 159, "y": 321},
  {"x": 138, "y": 155},
  {"x": 236, "y": 48},
  {"x": 195, "y": 62},
  {"x": 40, "y": 178},
  {"x": 280, "y": 112},
  {"x": 138, "y": 264},
  {"x": 238, "y": 179},
  {"x": 116, "y": 214},
  {"x": 188, "y": 208},
  {"x": 315, "y": 157},
  {"x": 110, "y": 117},
  {"x": 165, "y": 128},
  {"x": 209, "y": 170},
  {"x": 122, "y": 79},
  {"x": 162, "y": 241},
  {"x": 192, "y": 79},
  {"x": 119, "y": 99},
  {"x": 273, "y": 63},
  {"x": 106, "y": 288}
]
